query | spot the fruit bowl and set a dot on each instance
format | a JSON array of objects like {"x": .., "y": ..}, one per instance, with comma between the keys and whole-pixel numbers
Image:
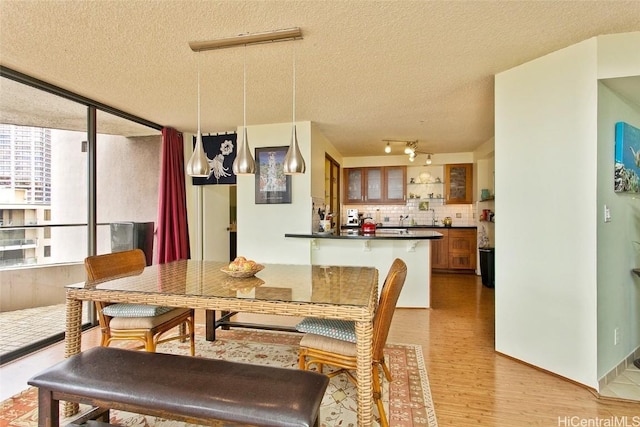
[{"x": 242, "y": 273}]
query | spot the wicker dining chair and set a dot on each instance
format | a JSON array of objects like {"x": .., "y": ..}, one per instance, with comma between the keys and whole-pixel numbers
[
  {"x": 330, "y": 342},
  {"x": 139, "y": 322}
]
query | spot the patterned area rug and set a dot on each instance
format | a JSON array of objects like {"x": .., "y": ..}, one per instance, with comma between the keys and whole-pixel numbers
[{"x": 407, "y": 398}]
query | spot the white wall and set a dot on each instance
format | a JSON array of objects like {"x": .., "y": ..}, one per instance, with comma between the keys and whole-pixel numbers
[
  {"x": 261, "y": 227},
  {"x": 553, "y": 162},
  {"x": 545, "y": 144}
]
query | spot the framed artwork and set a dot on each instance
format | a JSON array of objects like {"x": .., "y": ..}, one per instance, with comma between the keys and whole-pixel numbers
[
  {"x": 272, "y": 185},
  {"x": 627, "y": 158},
  {"x": 221, "y": 152}
]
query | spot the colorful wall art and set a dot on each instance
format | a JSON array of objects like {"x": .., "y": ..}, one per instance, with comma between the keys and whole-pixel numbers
[{"x": 627, "y": 158}]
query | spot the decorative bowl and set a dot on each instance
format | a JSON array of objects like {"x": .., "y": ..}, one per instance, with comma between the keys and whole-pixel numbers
[{"x": 242, "y": 273}]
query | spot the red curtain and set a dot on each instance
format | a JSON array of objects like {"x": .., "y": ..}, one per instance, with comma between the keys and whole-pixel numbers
[{"x": 173, "y": 230}]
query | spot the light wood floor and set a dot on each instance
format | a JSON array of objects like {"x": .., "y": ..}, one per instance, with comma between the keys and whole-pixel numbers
[{"x": 470, "y": 383}]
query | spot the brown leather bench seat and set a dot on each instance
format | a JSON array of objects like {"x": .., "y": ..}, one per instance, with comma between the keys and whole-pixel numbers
[{"x": 190, "y": 389}]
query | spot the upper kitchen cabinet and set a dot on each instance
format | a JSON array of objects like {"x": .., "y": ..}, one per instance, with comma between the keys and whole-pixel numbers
[
  {"x": 379, "y": 185},
  {"x": 459, "y": 183}
]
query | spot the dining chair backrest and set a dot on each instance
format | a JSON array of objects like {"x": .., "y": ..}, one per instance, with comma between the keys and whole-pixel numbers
[
  {"x": 386, "y": 306},
  {"x": 115, "y": 264}
]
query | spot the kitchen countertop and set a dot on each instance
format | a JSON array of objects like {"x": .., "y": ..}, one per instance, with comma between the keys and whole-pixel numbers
[
  {"x": 392, "y": 233},
  {"x": 408, "y": 227}
]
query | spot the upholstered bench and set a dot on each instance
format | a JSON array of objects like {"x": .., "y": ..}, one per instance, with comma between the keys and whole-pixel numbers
[{"x": 185, "y": 388}]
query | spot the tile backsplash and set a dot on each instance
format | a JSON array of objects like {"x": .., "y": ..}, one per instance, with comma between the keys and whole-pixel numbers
[{"x": 418, "y": 210}]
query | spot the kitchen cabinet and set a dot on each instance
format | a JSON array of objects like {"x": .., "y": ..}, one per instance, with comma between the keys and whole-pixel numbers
[
  {"x": 375, "y": 185},
  {"x": 458, "y": 183},
  {"x": 440, "y": 251},
  {"x": 455, "y": 251},
  {"x": 462, "y": 249}
]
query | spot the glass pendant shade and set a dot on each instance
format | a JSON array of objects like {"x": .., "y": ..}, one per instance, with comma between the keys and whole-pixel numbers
[
  {"x": 428, "y": 162},
  {"x": 244, "y": 163},
  {"x": 293, "y": 161}
]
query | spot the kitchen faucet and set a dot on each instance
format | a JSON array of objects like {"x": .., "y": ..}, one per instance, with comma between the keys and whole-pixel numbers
[{"x": 433, "y": 217}]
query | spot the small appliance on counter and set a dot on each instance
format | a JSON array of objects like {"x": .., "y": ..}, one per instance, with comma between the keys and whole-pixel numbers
[
  {"x": 369, "y": 226},
  {"x": 352, "y": 217}
]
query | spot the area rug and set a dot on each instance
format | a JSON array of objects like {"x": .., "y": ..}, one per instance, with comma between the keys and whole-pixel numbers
[{"x": 407, "y": 398}]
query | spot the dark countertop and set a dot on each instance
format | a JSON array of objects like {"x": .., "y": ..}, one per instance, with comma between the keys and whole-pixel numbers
[
  {"x": 389, "y": 234},
  {"x": 408, "y": 227}
]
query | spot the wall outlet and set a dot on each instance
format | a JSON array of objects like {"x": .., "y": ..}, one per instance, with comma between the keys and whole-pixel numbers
[
  {"x": 607, "y": 214},
  {"x": 616, "y": 336},
  {"x": 458, "y": 215}
]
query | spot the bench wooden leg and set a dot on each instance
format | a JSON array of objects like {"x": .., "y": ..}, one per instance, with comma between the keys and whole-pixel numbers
[{"x": 48, "y": 409}]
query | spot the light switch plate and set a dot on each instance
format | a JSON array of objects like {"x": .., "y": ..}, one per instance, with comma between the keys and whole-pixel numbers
[{"x": 607, "y": 214}]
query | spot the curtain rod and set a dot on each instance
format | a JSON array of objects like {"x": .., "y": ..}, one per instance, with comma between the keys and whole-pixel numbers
[{"x": 247, "y": 39}]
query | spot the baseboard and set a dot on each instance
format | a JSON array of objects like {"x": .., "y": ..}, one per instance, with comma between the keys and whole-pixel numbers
[{"x": 626, "y": 363}]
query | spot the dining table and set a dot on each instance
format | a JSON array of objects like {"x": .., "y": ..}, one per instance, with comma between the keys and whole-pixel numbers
[{"x": 323, "y": 291}]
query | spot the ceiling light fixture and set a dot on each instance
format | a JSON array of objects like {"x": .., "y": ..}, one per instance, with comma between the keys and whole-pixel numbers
[
  {"x": 247, "y": 39},
  {"x": 244, "y": 164},
  {"x": 293, "y": 161},
  {"x": 410, "y": 148},
  {"x": 198, "y": 165}
]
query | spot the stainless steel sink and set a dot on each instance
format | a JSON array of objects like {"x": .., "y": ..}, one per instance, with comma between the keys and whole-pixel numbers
[{"x": 392, "y": 231}]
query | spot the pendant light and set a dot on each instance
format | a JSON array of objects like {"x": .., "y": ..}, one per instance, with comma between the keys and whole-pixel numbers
[
  {"x": 428, "y": 162},
  {"x": 293, "y": 161},
  {"x": 198, "y": 165},
  {"x": 244, "y": 163}
]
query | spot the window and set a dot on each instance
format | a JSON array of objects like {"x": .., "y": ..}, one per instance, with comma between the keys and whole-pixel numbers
[{"x": 44, "y": 189}]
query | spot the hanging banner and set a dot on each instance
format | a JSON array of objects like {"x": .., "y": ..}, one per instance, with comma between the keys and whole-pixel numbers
[{"x": 221, "y": 151}]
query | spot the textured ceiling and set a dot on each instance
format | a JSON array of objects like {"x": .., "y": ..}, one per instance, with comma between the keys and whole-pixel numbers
[{"x": 366, "y": 70}]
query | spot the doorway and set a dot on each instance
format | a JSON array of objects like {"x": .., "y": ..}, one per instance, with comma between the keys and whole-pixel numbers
[{"x": 332, "y": 188}]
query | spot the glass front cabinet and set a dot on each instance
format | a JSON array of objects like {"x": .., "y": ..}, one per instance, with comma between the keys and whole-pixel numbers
[{"x": 375, "y": 185}]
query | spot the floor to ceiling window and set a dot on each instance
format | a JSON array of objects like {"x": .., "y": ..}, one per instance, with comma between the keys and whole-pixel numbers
[{"x": 46, "y": 224}]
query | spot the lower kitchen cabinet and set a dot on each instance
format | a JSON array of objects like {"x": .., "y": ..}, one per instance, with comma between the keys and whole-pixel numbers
[
  {"x": 455, "y": 251},
  {"x": 440, "y": 251}
]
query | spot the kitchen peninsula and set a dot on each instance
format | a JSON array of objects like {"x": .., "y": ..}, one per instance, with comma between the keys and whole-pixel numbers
[{"x": 379, "y": 249}]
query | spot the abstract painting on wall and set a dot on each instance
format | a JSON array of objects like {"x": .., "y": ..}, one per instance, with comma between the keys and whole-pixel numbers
[{"x": 627, "y": 158}]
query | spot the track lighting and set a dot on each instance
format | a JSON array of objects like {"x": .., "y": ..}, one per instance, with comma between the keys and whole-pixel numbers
[{"x": 411, "y": 149}]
